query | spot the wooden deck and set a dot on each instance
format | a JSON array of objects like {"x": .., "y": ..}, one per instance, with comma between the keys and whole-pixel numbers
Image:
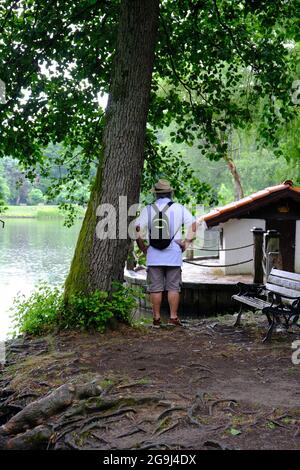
[{"x": 205, "y": 291}]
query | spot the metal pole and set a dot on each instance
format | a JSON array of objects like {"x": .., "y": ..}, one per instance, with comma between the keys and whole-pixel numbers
[
  {"x": 272, "y": 251},
  {"x": 258, "y": 271}
]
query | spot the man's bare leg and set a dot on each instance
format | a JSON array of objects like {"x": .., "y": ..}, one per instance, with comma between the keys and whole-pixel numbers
[
  {"x": 173, "y": 299},
  {"x": 155, "y": 299}
]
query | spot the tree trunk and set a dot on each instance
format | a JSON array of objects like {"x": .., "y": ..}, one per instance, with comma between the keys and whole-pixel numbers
[
  {"x": 238, "y": 189},
  {"x": 98, "y": 262}
]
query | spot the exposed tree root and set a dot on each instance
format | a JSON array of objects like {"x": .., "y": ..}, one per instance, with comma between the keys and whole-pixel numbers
[
  {"x": 34, "y": 439},
  {"x": 131, "y": 432},
  {"x": 37, "y": 412},
  {"x": 198, "y": 404},
  {"x": 216, "y": 402},
  {"x": 216, "y": 445},
  {"x": 70, "y": 410},
  {"x": 169, "y": 428},
  {"x": 169, "y": 411}
]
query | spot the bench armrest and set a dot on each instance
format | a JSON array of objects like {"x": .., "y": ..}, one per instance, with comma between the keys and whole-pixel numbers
[
  {"x": 250, "y": 289},
  {"x": 278, "y": 300}
]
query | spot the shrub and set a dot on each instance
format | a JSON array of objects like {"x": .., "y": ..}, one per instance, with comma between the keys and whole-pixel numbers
[
  {"x": 44, "y": 311},
  {"x": 97, "y": 309},
  {"x": 39, "y": 313},
  {"x": 35, "y": 196}
]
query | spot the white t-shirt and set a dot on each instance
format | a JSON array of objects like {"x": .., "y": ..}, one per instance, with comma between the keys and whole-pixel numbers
[{"x": 178, "y": 215}]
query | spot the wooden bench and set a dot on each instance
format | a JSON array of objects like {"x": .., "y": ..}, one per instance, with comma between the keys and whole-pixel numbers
[{"x": 278, "y": 299}]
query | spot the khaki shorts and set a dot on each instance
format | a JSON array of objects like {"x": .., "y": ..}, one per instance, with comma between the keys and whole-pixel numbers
[{"x": 161, "y": 278}]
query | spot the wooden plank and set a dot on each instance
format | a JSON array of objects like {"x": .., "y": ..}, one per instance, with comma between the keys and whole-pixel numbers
[
  {"x": 282, "y": 290},
  {"x": 285, "y": 274},
  {"x": 252, "y": 301},
  {"x": 280, "y": 281}
]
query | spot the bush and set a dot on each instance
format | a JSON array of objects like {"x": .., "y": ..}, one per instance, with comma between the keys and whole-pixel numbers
[
  {"x": 45, "y": 311},
  {"x": 35, "y": 196},
  {"x": 39, "y": 313}
]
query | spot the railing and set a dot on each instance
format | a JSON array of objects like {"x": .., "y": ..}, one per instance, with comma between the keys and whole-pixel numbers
[
  {"x": 191, "y": 259},
  {"x": 266, "y": 254}
]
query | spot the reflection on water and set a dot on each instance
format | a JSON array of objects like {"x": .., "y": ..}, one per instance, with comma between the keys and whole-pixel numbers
[{"x": 31, "y": 251}]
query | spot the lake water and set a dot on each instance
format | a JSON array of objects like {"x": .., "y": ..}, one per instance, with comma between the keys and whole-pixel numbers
[
  {"x": 31, "y": 251},
  {"x": 34, "y": 250}
]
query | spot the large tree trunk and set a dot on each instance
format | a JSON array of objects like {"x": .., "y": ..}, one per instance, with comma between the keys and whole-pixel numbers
[
  {"x": 238, "y": 188},
  {"x": 98, "y": 262}
]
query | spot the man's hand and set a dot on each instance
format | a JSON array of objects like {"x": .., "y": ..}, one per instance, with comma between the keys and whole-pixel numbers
[
  {"x": 190, "y": 237},
  {"x": 184, "y": 244}
]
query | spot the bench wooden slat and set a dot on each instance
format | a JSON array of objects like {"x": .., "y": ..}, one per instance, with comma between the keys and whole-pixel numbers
[
  {"x": 282, "y": 290},
  {"x": 285, "y": 274},
  {"x": 280, "y": 281},
  {"x": 252, "y": 301}
]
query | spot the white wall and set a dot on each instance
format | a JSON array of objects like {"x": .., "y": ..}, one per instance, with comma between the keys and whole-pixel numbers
[
  {"x": 237, "y": 232},
  {"x": 297, "y": 249}
]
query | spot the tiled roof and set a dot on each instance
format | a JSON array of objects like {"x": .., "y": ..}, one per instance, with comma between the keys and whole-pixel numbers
[{"x": 229, "y": 211}]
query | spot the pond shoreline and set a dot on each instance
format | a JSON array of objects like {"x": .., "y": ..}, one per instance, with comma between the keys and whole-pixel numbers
[
  {"x": 42, "y": 211},
  {"x": 36, "y": 217}
]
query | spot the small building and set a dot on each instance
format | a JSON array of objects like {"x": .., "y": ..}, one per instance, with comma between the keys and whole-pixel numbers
[{"x": 273, "y": 208}]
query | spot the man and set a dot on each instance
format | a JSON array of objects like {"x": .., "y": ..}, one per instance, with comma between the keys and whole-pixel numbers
[{"x": 164, "y": 264}]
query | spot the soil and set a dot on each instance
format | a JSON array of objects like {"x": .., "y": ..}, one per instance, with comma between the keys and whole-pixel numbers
[{"x": 206, "y": 385}]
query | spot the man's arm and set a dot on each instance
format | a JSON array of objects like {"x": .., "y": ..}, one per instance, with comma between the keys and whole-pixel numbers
[
  {"x": 190, "y": 236},
  {"x": 140, "y": 242}
]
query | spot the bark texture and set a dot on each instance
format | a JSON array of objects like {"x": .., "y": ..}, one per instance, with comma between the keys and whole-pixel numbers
[
  {"x": 97, "y": 262},
  {"x": 238, "y": 188}
]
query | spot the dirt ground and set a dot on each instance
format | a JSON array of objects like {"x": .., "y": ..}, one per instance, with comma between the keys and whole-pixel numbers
[{"x": 206, "y": 385}]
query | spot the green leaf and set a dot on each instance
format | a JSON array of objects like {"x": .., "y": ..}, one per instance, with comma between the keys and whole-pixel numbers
[{"x": 235, "y": 432}]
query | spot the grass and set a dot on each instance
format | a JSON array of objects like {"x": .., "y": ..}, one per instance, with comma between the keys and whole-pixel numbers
[{"x": 36, "y": 212}]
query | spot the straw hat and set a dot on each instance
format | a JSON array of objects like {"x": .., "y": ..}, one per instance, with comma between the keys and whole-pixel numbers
[{"x": 162, "y": 186}]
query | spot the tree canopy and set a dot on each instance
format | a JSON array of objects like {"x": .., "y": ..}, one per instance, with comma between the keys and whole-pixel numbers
[
  {"x": 216, "y": 61},
  {"x": 216, "y": 67}
]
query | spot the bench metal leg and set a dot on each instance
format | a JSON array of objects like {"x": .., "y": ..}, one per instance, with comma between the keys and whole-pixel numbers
[
  {"x": 238, "y": 320},
  {"x": 268, "y": 317},
  {"x": 270, "y": 330}
]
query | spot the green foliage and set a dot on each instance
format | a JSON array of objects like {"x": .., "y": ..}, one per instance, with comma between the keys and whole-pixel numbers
[
  {"x": 35, "y": 196},
  {"x": 4, "y": 192},
  {"x": 44, "y": 311},
  {"x": 95, "y": 310},
  {"x": 225, "y": 194},
  {"x": 235, "y": 432},
  {"x": 221, "y": 61},
  {"x": 49, "y": 182},
  {"x": 4, "y": 189},
  {"x": 41, "y": 212},
  {"x": 39, "y": 313},
  {"x": 163, "y": 162},
  {"x": 216, "y": 63},
  {"x": 258, "y": 167}
]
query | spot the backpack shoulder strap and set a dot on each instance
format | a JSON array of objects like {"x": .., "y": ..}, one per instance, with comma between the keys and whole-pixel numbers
[
  {"x": 180, "y": 226},
  {"x": 156, "y": 209},
  {"x": 149, "y": 217},
  {"x": 164, "y": 210}
]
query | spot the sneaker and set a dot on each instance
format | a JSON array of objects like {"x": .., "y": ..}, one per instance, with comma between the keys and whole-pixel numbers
[{"x": 175, "y": 321}]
